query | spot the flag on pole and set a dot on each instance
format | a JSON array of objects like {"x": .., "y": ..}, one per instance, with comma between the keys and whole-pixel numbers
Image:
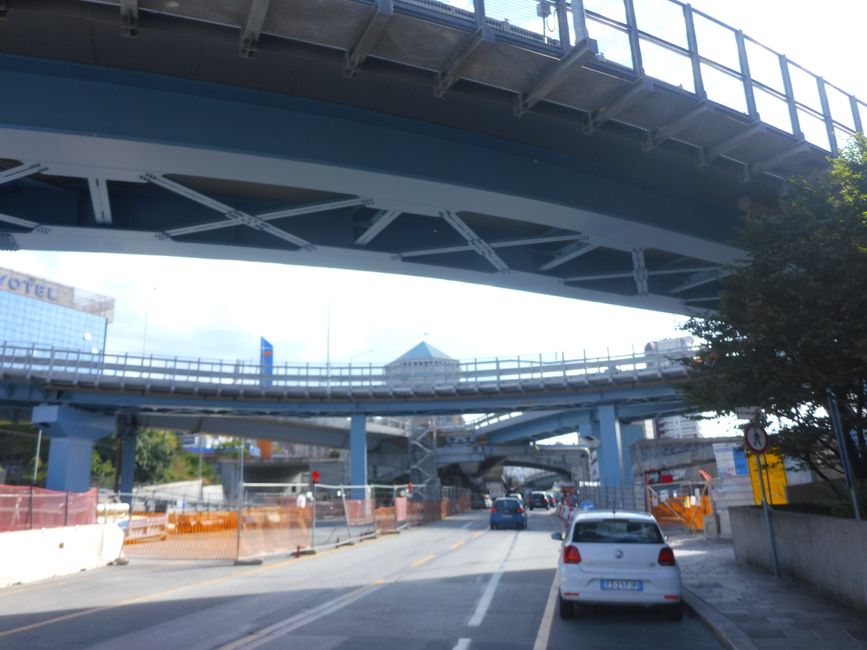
[{"x": 266, "y": 360}]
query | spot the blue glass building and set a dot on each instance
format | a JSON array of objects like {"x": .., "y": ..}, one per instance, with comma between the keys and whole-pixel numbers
[{"x": 34, "y": 311}]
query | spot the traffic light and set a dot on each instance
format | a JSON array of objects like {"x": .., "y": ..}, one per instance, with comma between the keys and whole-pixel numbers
[{"x": 314, "y": 476}]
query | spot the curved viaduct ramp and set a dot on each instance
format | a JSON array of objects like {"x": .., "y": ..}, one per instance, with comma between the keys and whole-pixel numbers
[
  {"x": 404, "y": 136},
  {"x": 155, "y": 386}
]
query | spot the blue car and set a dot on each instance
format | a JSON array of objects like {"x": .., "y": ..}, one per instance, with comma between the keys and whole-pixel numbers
[{"x": 508, "y": 512}]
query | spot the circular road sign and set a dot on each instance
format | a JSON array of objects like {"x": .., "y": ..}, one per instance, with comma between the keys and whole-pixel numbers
[{"x": 756, "y": 438}]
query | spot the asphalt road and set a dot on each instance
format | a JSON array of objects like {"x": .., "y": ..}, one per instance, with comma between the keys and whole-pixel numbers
[{"x": 454, "y": 584}]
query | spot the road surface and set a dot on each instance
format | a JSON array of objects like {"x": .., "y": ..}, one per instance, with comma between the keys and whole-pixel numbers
[{"x": 451, "y": 585}]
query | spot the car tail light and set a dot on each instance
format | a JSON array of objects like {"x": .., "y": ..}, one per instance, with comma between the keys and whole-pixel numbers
[
  {"x": 520, "y": 510},
  {"x": 666, "y": 557},
  {"x": 571, "y": 555},
  {"x": 493, "y": 509}
]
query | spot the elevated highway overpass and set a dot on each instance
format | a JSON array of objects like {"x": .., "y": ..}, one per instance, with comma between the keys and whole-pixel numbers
[
  {"x": 606, "y": 158},
  {"x": 78, "y": 397}
]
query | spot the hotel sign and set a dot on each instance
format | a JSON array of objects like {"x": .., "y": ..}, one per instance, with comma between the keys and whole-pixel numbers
[{"x": 37, "y": 288}]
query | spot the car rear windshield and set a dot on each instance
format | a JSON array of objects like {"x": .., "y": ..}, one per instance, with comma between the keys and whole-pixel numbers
[
  {"x": 617, "y": 531},
  {"x": 507, "y": 505}
]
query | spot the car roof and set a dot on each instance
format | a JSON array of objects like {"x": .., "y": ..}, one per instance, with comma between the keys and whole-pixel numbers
[
  {"x": 597, "y": 515},
  {"x": 507, "y": 499}
]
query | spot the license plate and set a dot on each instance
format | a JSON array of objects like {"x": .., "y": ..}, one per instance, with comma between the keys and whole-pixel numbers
[{"x": 622, "y": 585}]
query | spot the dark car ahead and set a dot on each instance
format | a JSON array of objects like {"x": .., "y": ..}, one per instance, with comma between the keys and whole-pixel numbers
[
  {"x": 538, "y": 500},
  {"x": 508, "y": 512}
]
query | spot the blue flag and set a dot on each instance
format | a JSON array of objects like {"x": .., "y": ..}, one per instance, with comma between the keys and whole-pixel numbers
[{"x": 266, "y": 360}]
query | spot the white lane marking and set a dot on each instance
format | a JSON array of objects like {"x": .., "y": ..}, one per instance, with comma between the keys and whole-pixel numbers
[
  {"x": 465, "y": 526},
  {"x": 462, "y": 644},
  {"x": 544, "y": 632},
  {"x": 488, "y": 594},
  {"x": 277, "y": 630}
]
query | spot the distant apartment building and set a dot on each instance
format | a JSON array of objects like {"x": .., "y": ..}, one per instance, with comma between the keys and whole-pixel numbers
[
  {"x": 676, "y": 426},
  {"x": 40, "y": 312}
]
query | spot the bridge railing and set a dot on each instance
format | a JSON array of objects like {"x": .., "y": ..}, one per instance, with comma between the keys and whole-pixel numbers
[
  {"x": 676, "y": 44},
  {"x": 62, "y": 366}
]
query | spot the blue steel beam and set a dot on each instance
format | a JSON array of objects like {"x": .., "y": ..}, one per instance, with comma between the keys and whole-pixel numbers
[
  {"x": 610, "y": 452},
  {"x": 188, "y": 130},
  {"x": 358, "y": 455},
  {"x": 113, "y": 401},
  {"x": 563, "y": 422}
]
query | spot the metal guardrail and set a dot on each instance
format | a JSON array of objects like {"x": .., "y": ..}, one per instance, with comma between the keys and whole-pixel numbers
[
  {"x": 56, "y": 366},
  {"x": 672, "y": 42}
]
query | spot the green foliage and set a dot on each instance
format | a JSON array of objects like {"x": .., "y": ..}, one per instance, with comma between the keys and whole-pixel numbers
[
  {"x": 185, "y": 467},
  {"x": 792, "y": 320},
  {"x": 17, "y": 451},
  {"x": 101, "y": 471},
  {"x": 154, "y": 454}
]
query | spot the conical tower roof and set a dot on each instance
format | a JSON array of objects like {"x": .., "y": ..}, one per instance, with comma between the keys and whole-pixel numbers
[{"x": 421, "y": 352}]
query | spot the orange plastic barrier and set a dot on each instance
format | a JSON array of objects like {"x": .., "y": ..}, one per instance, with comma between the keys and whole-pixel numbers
[{"x": 682, "y": 510}]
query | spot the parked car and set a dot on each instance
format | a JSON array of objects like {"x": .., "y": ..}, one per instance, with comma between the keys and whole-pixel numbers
[
  {"x": 537, "y": 500},
  {"x": 551, "y": 501},
  {"x": 515, "y": 495},
  {"x": 617, "y": 558},
  {"x": 508, "y": 512}
]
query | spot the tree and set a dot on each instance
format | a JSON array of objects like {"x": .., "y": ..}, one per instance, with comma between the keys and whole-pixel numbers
[
  {"x": 154, "y": 454},
  {"x": 792, "y": 318}
]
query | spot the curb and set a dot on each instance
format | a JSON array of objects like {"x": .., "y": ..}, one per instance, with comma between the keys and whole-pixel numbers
[{"x": 729, "y": 634}]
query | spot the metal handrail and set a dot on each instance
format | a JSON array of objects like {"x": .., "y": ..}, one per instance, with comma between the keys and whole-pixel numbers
[
  {"x": 61, "y": 366},
  {"x": 511, "y": 22}
]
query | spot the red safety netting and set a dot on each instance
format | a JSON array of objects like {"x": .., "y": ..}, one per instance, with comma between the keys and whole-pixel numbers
[{"x": 23, "y": 507}]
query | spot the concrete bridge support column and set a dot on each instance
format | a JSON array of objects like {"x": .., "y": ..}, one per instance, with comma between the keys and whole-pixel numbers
[
  {"x": 72, "y": 434},
  {"x": 358, "y": 455},
  {"x": 610, "y": 450},
  {"x": 629, "y": 435},
  {"x": 127, "y": 462}
]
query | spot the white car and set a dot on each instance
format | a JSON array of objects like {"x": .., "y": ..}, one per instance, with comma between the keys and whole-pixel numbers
[{"x": 617, "y": 558}]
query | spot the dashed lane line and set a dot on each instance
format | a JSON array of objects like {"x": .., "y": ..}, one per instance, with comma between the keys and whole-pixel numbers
[
  {"x": 488, "y": 594},
  {"x": 544, "y": 632},
  {"x": 424, "y": 560},
  {"x": 462, "y": 644}
]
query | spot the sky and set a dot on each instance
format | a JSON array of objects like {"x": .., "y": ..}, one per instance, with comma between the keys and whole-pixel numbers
[{"x": 218, "y": 309}]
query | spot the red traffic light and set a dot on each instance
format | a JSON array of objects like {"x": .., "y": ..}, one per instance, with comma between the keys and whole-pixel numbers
[
  {"x": 315, "y": 475},
  {"x": 409, "y": 487}
]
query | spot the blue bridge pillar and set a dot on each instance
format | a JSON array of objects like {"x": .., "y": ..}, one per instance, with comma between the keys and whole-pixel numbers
[
  {"x": 629, "y": 435},
  {"x": 358, "y": 455},
  {"x": 610, "y": 451},
  {"x": 72, "y": 433},
  {"x": 127, "y": 462}
]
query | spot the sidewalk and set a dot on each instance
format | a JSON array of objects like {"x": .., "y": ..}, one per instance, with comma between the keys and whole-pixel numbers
[{"x": 750, "y": 609}]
